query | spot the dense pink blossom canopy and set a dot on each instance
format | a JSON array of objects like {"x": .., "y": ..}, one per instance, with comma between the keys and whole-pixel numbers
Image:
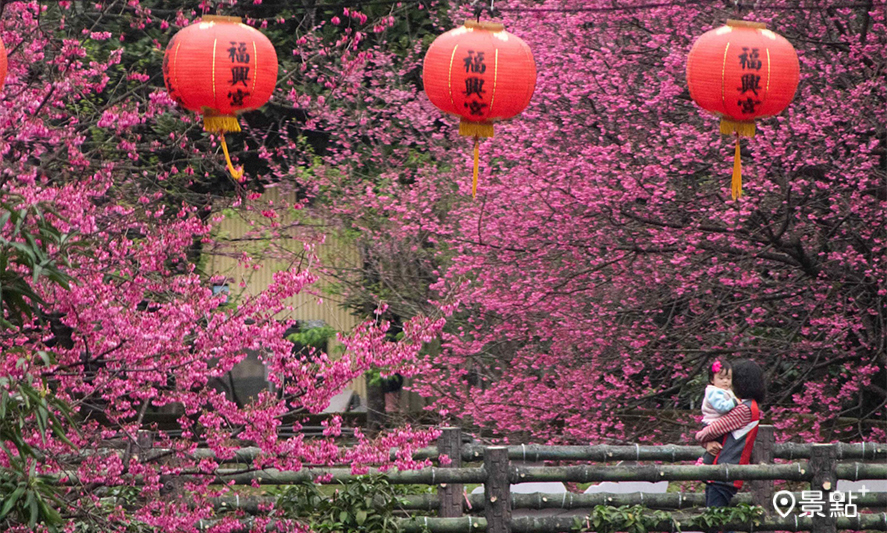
[
  {"x": 603, "y": 265},
  {"x": 580, "y": 297}
]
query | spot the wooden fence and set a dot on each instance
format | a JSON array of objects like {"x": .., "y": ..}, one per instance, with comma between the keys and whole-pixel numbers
[
  {"x": 823, "y": 467},
  {"x": 820, "y": 465}
]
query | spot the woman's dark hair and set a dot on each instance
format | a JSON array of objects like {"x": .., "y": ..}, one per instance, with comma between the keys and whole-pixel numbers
[
  {"x": 748, "y": 381},
  {"x": 721, "y": 365}
]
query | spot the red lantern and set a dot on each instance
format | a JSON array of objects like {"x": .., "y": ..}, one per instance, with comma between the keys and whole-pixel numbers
[
  {"x": 481, "y": 73},
  {"x": 219, "y": 68},
  {"x": 740, "y": 72}
]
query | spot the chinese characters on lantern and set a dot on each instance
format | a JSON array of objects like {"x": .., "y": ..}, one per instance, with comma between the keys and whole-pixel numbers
[
  {"x": 474, "y": 85},
  {"x": 749, "y": 60},
  {"x": 239, "y": 72}
]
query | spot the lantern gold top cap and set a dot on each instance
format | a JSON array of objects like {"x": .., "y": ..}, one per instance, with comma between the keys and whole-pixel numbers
[
  {"x": 746, "y": 24},
  {"x": 220, "y": 18},
  {"x": 488, "y": 26}
]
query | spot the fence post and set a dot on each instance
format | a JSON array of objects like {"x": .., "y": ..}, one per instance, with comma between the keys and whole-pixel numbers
[
  {"x": 450, "y": 494},
  {"x": 497, "y": 490},
  {"x": 762, "y": 490},
  {"x": 823, "y": 460}
]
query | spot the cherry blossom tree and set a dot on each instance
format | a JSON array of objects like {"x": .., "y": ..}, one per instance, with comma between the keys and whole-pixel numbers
[
  {"x": 109, "y": 193},
  {"x": 601, "y": 268},
  {"x": 603, "y": 265}
]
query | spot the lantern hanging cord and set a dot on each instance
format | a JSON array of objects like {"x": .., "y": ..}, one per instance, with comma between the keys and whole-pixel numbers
[
  {"x": 236, "y": 173},
  {"x": 478, "y": 9}
]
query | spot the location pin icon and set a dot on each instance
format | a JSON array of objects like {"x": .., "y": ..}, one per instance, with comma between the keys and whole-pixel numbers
[{"x": 783, "y": 502}]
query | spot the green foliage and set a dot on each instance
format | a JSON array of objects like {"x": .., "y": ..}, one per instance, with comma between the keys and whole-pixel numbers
[
  {"x": 627, "y": 518},
  {"x": 25, "y": 244},
  {"x": 639, "y": 519},
  {"x": 20, "y": 403},
  {"x": 29, "y": 498},
  {"x": 32, "y": 251},
  {"x": 375, "y": 378},
  {"x": 718, "y": 516},
  {"x": 316, "y": 338},
  {"x": 365, "y": 505}
]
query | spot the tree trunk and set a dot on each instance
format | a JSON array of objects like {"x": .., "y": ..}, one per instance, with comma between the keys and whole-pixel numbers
[{"x": 375, "y": 409}]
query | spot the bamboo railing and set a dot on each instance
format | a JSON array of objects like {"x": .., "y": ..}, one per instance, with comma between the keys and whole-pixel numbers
[
  {"x": 820, "y": 465},
  {"x": 541, "y": 501},
  {"x": 491, "y": 512},
  {"x": 821, "y": 469},
  {"x": 871, "y": 522},
  {"x": 599, "y": 453},
  {"x": 538, "y": 453}
]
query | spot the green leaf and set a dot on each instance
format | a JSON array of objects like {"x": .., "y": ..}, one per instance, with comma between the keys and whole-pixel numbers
[
  {"x": 42, "y": 416},
  {"x": 7, "y": 505},
  {"x": 50, "y": 515},
  {"x": 31, "y": 503},
  {"x": 19, "y": 218}
]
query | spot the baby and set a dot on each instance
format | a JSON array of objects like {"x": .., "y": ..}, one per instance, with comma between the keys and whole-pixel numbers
[{"x": 719, "y": 398}]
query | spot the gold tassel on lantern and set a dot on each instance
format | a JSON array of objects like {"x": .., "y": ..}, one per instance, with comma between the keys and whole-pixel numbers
[
  {"x": 740, "y": 129},
  {"x": 221, "y": 124},
  {"x": 236, "y": 173},
  {"x": 736, "y": 184},
  {"x": 215, "y": 123},
  {"x": 743, "y": 129},
  {"x": 476, "y": 130},
  {"x": 476, "y": 161}
]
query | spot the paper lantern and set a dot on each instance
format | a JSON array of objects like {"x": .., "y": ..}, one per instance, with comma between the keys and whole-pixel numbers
[
  {"x": 742, "y": 72},
  {"x": 219, "y": 68},
  {"x": 482, "y": 74}
]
